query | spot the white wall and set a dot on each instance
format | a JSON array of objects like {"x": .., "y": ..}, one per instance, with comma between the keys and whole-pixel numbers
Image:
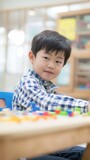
[{"x": 11, "y": 4}]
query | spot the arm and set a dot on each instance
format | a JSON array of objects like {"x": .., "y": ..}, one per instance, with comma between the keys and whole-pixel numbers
[
  {"x": 49, "y": 101},
  {"x": 31, "y": 91}
]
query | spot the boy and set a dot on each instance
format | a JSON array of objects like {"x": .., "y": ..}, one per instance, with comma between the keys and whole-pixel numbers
[{"x": 49, "y": 53}]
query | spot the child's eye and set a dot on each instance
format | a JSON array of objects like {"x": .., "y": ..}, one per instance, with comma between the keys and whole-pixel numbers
[
  {"x": 58, "y": 62},
  {"x": 46, "y": 58}
]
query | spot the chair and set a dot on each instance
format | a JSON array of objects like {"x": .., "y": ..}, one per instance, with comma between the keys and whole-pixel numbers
[{"x": 7, "y": 98}]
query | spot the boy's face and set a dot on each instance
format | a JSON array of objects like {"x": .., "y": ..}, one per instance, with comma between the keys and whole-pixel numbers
[{"x": 47, "y": 65}]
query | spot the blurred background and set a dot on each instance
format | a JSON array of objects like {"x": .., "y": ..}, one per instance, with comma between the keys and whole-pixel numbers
[{"x": 21, "y": 20}]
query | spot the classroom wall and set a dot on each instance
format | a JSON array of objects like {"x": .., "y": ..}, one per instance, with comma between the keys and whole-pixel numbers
[
  {"x": 10, "y": 4},
  {"x": 14, "y": 57}
]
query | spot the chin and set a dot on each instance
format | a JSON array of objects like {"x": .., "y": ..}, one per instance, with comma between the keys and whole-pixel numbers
[{"x": 47, "y": 79}]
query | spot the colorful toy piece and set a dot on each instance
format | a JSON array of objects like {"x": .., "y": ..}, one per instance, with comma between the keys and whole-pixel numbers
[
  {"x": 63, "y": 113},
  {"x": 70, "y": 113},
  {"x": 78, "y": 109}
]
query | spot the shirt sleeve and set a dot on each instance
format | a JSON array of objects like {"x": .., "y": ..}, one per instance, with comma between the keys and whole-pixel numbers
[{"x": 32, "y": 91}]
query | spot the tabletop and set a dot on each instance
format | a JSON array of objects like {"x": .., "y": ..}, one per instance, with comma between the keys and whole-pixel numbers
[{"x": 31, "y": 139}]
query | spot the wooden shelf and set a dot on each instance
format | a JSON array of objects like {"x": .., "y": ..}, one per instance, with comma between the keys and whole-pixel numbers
[
  {"x": 71, "y": 89},
  {"x": 83, "y": 32},
  {"x": 77, "y": 93},
  {"x": 83, "y": 73},
  {"x": 79, "y": 68}
]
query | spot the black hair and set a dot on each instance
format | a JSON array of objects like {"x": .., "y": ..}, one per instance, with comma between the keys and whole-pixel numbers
[{"x": 51, "y": 41}]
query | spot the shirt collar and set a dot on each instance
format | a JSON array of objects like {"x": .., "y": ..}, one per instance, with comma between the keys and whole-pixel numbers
[{"x": 46, "y": 84}]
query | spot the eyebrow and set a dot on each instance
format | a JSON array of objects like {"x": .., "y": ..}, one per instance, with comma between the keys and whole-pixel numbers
[{"x": 60, "y": 57}]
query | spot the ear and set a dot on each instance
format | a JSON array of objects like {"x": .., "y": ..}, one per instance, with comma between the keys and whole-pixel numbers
[{"x": 31, "y": 57}]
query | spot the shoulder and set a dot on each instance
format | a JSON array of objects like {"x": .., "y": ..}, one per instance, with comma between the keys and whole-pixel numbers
[{"x": 29, "y": 80}]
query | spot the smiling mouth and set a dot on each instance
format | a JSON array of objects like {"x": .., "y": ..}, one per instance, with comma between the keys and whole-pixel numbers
[{"x": 49, "y": 72}]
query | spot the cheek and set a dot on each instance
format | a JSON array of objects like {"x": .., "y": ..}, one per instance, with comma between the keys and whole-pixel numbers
[
  {"x": 42, "y": 64},
  {"x": 39, "y": 64},
  {"x": 58, "y": 70}
]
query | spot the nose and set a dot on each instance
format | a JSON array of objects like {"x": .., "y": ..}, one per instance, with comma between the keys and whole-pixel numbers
[{"x": 51, "y": 65}]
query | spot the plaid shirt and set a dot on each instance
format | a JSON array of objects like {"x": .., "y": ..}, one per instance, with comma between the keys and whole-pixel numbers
[{"x": 33, "y": 89}]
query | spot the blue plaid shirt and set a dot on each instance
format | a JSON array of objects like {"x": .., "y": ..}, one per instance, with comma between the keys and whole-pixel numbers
[{"x": 33, "y": 89}]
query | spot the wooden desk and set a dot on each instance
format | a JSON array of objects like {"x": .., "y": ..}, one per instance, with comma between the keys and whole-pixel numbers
[{"x": 31, "y": 139}]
